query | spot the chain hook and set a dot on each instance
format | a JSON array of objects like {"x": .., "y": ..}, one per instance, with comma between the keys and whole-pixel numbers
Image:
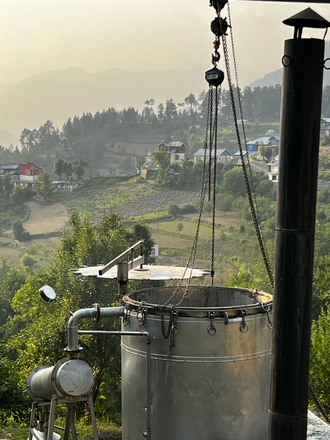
[
  {"x": 211, "y": 330},
  {"x": 126, "y": 318},
  {"x": 243, "y": 327},
  {"x": 267, "y": 308}
]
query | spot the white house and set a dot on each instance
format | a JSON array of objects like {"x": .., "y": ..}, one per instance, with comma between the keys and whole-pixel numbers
[
  {"x": 273, "y": 169},
  {"x": 176, "y": 150},
  {"x": 237, "y": 157}
]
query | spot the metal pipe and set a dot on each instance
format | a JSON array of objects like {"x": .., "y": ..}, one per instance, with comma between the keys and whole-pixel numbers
[
  {"x": 147, "y": 433},
  {"x": 295, "y": 230},
  {"x": 95, "y": 312}
]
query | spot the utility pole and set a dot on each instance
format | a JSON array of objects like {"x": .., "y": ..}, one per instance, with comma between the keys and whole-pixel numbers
[{"x": 295, "y": 228}]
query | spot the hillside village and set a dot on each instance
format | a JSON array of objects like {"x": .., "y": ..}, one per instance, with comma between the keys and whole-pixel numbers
[
  {"x": 27, "y": 174},
  {"x": 67, "y": 192}
]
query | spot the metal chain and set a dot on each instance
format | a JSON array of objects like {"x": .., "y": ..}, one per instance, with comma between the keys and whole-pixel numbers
[
  {"x": 245, "y": 173},
  {"x": 264, "y": 249},
  {"x": 210, "y": 142},
  {"x": 166, "y": 333},
  {"x": 192, "y": 254},
  {"x": 266, "y": 258},
  {"x": 215, "y": 138}
]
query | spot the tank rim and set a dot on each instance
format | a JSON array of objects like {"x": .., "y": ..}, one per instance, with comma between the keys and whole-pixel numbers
[{"x": 128, "y": 301}]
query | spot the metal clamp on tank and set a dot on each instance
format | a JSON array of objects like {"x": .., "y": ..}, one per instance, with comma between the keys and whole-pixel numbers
[
  {"x": 267, "y": 308},
  {"x": 211, "y": 330},
  {"x": 243, "y": 327}
]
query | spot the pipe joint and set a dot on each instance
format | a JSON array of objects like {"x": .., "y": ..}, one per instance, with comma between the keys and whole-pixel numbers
[{"x": 95, "y": 312}]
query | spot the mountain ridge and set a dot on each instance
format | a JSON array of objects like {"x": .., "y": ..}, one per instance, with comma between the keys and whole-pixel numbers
[{"x": 61, "y": 93}]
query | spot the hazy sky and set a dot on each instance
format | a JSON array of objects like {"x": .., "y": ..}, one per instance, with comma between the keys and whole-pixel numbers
[{"x": 95, "y": 35}]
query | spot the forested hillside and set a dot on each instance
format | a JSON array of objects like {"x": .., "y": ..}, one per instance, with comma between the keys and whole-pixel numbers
[
  {"x": 101, "y": 139},
  {"x": 107, "y": 214}
]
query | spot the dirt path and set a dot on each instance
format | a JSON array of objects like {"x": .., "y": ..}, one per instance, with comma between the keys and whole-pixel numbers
[{"x": 45, "y": 218}]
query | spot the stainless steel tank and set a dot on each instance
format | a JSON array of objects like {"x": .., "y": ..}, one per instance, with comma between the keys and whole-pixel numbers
[{"x": 210, "y": 364}]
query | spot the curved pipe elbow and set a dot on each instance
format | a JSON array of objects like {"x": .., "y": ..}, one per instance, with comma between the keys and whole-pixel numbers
[{"x": 95, "y": 312}]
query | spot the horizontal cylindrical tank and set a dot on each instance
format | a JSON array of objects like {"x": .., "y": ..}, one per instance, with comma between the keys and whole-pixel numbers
[
  {"x": 210, "y": 364},
  {"x": 69, "y": 377}
]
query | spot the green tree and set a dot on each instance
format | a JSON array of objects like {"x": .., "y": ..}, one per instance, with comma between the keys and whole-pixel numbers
[
  {"x": 180, "y": 227},
  {"x": 19, "y": 232},
  {"x": 17, "y": 196},
  {"x": 44, "y": 187},
  {"x": 170, "y": 110},
  {"x": 323, "y": 195},
  {"x": 59, "y": 167},
  {"x": 195, "y": 142},
  {"x": 266, "y": 153},
  {"x": 140, "y": 161},
  {"x": 174, "y": 210},
  {"x": 233, "y": 183},
  {"x": 79, "y": 168},
  {"x": 11, "y": 280},
  {"x": 191, "y": 101},
  {"x": 14, "y": 401},
  {"x": 68, "y": 170},
  {"x": 224, "y": 202},
  {"x": 38, "y": 331},
  {"x": 7, "y": 184},
  {"x": 319, "y": 364},
  {"x": 28, "y": 260},
  {"x": 162, "y": 159}
]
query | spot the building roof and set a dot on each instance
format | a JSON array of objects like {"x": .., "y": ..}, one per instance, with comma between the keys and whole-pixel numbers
[
  {"x": 238, "y": 154},
  {"x": 327, "y": 120},
  {"x": 263, "y": 140},
  {"x": 174, "y": 144},
  {"x": 221, "y": 152},
  {"x": 273, "y": 162},
  {"x": 9, "y": 167}
]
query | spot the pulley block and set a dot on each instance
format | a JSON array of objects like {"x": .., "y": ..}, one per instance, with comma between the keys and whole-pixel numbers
[
  {"x": 214, "y": 77},
  {"x": 218, "y": 4},
  {"x": 219, "y": 26}
]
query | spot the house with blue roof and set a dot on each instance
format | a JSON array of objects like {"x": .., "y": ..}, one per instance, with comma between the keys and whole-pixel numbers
[
  {"x": 267, "y": 141},
  {"x": 223, "y": 155}
]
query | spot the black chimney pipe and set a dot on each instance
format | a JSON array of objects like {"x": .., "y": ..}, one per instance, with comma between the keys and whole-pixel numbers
[{"x": 295, "y": 230}]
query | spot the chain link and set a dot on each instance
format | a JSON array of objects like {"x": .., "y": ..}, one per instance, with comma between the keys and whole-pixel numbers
[
  {"x": 215, "y": 138},
  {"x": 255, "y": 218},
  {"x": 265, "y": 251},
  {"x": 205, "y": 175}
]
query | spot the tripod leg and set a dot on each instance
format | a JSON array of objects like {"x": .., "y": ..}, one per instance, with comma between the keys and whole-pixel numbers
[
  {"x": 92, "y": 413},
  {"x": 51, "y": 419}
]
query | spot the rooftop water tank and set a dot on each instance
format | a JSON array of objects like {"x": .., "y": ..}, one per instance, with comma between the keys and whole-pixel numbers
[{"x": 210, "y": 363}]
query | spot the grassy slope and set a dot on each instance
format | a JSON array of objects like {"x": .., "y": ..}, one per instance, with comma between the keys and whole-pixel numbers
[{"x": 174, "y": 246}]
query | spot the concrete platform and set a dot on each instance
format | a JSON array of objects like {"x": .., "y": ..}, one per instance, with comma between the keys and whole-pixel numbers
[{"x": 317, "y": 429}]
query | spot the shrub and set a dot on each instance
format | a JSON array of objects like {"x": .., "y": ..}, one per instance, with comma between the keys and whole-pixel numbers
[
  {"x": 28, "y": 260},
  {"x": 173, "y": 209},
  {"x": 140, "y": 179},
  {"x": 189, "y": 209},
  {"x": 19, "y": 232},
  {"x": 323, "y": 195}
]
